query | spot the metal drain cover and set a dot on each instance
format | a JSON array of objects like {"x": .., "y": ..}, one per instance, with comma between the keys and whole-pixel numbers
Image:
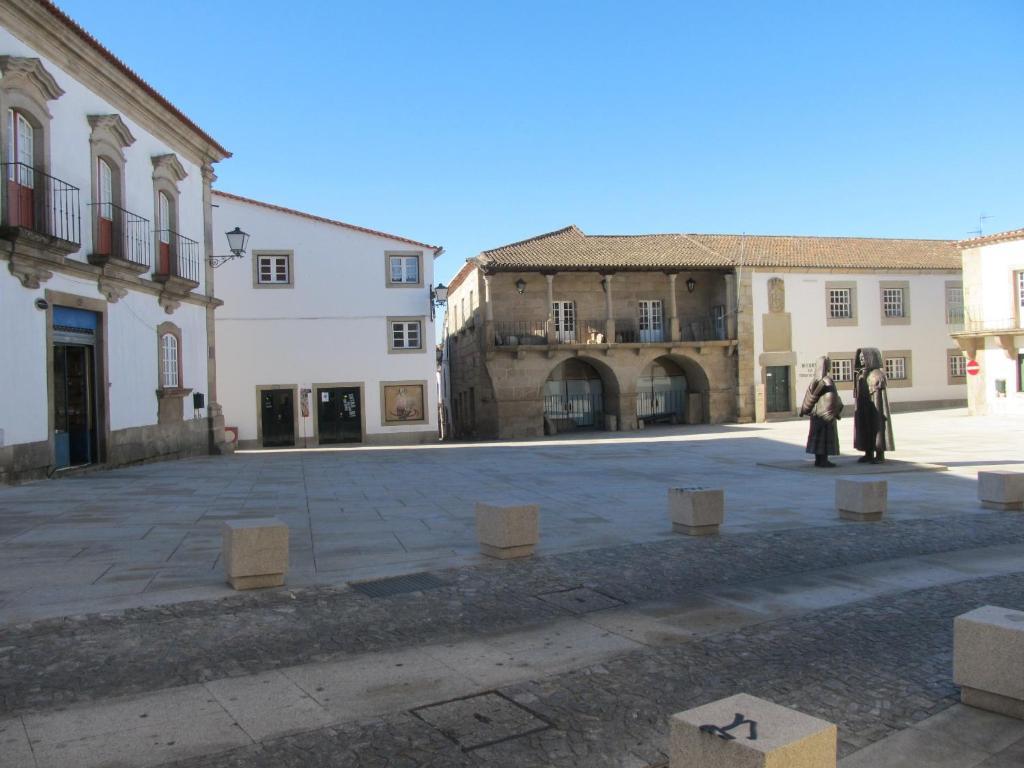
[
  {"x": 579, "y": 600},
  {"x": 398, "y": 585},
  {"x": 481, "y": 720}
]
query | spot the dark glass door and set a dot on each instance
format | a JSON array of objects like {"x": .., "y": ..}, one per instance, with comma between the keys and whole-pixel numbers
[
  {"x": 277, "y": 416},
  {"x": 74, "y": 407},
  {"x": 777, "y": 389},
  {"x": 338, "y": 415}
]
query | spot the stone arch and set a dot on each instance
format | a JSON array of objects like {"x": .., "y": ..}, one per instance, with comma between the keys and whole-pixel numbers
[
  {"x": 691, "y": 407},
  {"x": 578, "y": 392}
]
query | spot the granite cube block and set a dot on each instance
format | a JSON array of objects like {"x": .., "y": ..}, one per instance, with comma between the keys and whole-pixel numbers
[
  {"x": 1001, "y": 490},
  {"x": 507, "y": 532},
  {"x": 254, "y": 552},
  {"x": 863, "y": 500},
  {"x": 988, "y": 659},
  {"x": 743, "y": 731},
  {"x": 696, "y": 511}
]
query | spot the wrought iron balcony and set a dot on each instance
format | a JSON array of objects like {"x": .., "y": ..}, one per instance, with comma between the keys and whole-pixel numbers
[
  {"x": 178, "y": 256},
  {"x": 121, "y": 234},
  {"x": 512, "y": 333},
  {"x": 40, "y": 203}
]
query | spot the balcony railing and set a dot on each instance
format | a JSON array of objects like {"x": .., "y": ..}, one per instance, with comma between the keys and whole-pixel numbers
[
  {"x": 122, "y": 234},
  {"x": 41, "y": 203},
  {"x": 512, "y": 333},
  {"x": 178, "y": 256}
]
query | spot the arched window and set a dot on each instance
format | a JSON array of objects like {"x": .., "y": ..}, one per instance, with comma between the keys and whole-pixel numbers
[
  {"x": 21, "y": 171},
  {"x": 169, "y": 378}
]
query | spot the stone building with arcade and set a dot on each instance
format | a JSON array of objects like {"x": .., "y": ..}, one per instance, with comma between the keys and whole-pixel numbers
[{"x": 569, "y": 331}]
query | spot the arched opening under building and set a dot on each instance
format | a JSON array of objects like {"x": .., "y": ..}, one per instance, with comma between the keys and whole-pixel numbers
[
  {"x": 661, "y": 391},
  {"x": 672, "y": 390},
  {"x": 574, "y": 397}
]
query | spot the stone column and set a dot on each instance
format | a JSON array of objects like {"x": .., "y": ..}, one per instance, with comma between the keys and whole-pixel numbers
[
  {"x": 730, "y": 305},
  {"x": 488, "y": 314},
  {"x": 741, "y": 328},
  {"x": 214, "y": 412},
  {"x": 551, "y": 300},
  {"x": 609, "y": 316},
  {"x": 673, "y": 310}
]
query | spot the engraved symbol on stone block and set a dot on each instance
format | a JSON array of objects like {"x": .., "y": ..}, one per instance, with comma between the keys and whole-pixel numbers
[{"x": 722, "y": 732}]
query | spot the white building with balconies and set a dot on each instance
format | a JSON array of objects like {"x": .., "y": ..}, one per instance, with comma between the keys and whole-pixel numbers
[{"x": 106, "y": 298}]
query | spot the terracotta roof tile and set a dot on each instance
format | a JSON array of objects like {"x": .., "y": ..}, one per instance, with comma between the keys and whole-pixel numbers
[
  {"x": 997, "y": 237},
  {"x": 570, "y": 249},
  {"x": 437, "y": 249}
]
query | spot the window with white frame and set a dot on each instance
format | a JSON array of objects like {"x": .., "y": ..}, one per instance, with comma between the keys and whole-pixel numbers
[
  {"x": 273, "y": 269},
  {"x": 896, "y": 368},
  {"x": 841, "y": 369},
  {"x": 954, "y": 305},
  {"x": 406, "y": 334},
  {"x": 1019, "y": 277},
  {"x": 404, "y": 270},
  {"x": 169, "y": 378},
  {"x": 957, "y": 366},
  {"x": 892, "y": 302},
  {"x": 840, "y": 304}
]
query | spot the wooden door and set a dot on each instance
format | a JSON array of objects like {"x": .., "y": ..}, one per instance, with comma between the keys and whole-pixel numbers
[
  {"x": 338, "y": 415},
  {"x": 564, "y": 313},
  {"x": 21, "y": 201}
]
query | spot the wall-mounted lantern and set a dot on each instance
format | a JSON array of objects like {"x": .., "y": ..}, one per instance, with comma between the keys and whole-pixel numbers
[
  {"x": 438, "y": 298},
  {"x": 691, "y": 284},
  {"x": 521, "y": 286},
  {"x": 237, "y": 240}
]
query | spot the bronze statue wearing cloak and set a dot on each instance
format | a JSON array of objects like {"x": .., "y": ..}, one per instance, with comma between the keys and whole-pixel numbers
[
  {"x": 872, "y": 422},
  {"x": 823, "y": 404}
]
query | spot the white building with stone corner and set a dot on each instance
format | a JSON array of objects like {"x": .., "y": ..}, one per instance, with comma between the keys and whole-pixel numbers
[
  {"x": 106, "y": 299},
  {"x": 567, "y": 331},
  {"x": 326, "y": 335},
  {"x": 993, "y": 331}
]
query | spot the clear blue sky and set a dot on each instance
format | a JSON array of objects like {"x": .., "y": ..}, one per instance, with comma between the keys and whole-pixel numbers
[{"x": 479, "y": 123}]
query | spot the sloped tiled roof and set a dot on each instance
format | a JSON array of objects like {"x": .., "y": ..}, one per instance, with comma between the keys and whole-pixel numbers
[
  {"x": 461, "y": 275},
  {"x": 998, "y": 237},
  {"x": 570, "y": 249},
  {"x": 437, "y": 249}
]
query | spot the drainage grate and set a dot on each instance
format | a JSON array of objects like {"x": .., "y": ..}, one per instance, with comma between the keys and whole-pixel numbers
[
  {"x": 398, "y": 585},
  {"x": 579, "y": 600},
  {"x": 481, "y": 720}
]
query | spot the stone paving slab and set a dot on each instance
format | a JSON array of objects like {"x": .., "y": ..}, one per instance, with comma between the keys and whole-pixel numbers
[
  {"x": 876, "y": 668},
  {"x": 61, "y": 660},
  {"x": 351, "y": 518}
]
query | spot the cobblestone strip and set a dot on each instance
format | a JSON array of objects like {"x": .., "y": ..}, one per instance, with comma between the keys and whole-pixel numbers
[
  {"x": 53, "y": 662},
  {"x": 874, "y": 668}
]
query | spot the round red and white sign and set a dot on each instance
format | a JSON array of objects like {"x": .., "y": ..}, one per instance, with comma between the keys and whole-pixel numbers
[{"x": 973, "y": 367}]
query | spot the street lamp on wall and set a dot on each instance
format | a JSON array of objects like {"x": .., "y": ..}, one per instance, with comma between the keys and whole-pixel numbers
[
  {"x": 237, "y": 240},
  {"x": 521, "y": 286},
  {"x": 438, "y": 298},
  {"x": 690, "y": 284}
]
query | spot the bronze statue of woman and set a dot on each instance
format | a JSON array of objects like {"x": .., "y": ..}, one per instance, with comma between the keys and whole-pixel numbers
[
  {"x": 872, "y": 421},
  {"x": 823, "y": 404}
]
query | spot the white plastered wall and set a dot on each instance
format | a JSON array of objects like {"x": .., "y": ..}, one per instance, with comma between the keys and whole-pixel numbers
[
  {"x": 330, "y": 327},
  {"x": 990, "y": 304},
  {"x": 926, "y": 335}
]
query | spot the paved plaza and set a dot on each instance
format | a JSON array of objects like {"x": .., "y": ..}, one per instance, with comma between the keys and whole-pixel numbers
[{"x": 120, "y": 644}]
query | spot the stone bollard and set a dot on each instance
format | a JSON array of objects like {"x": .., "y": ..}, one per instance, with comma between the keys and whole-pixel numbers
[
  {"x": 1001, "y": 490},
  {"x": 255, "y": 552},
  {"x": 696, "y": 511},
  {"x": 862, "y": 500},
  {"x": 988, "y": 659},
  {"x": 743, "y": 731},
  {"x": 507, "y": 532}
]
